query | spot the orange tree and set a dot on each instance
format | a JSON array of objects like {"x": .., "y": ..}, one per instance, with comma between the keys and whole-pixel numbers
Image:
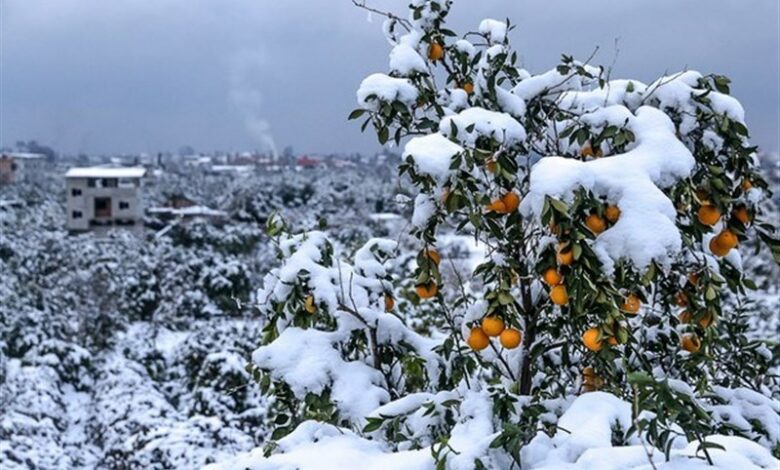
[{"x": 611, "y": 212}]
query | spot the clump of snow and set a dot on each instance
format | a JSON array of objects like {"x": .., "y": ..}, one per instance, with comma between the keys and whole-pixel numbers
[
  {"x": 405, "y": 60},
  {"x": 472, "y": 123},
  {"x": 494, "y": 30},
  {"x": 432, "y": 154},
  {"x": 646, "y": 230},
  {"x": 379, "y": 87}
]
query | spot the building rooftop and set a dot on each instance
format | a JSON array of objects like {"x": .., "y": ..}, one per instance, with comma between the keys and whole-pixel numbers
[
  {"x": 27, "y": 156},
  {"x": 106, "y": 172}
]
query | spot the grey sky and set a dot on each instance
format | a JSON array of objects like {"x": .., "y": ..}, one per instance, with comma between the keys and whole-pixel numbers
[{"x": 148, "y": 75}]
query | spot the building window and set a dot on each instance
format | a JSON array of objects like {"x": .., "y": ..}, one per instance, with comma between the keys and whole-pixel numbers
[
  {"x": 123, "y": 205},
  {"x": 77, "y": 214},
  {"x": 109, "y": 182},
  {"x": 75, "y": 192},
  {"x": 91, "y": 182}
]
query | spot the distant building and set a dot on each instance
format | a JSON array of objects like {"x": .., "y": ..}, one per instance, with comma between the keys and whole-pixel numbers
[
  {"x": 15, "y": 167},
  {"x": 104, "y": 196}
]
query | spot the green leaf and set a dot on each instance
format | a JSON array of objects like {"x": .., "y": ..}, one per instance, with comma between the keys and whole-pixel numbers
[{"x": 356, "y": 114}]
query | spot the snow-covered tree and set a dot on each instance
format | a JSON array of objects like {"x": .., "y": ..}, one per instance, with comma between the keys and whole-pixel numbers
[{"x": 611, "y": 213}]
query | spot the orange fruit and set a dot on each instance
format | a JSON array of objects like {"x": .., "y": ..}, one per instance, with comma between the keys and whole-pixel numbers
[
  {"x": 511, "y": 201},
  {"x": 586, "y": 150},
  {"x": 432, "y": 255},
  {"x": 427, "y": 290},
  {"x": 511, "y": 338},
  {"x": 717, "y": 249},
  {"x": 389, "y": 303},
  {"x": 309, "y": 305},
  {"x": 558, "y": 295},
  {"x": 591, "y": 381},
  {"x": 435, "y": 52},
  {"x": 681, "y": 299},
  {"x": 591, "y": 339},
  {"x": 746, "y": 185},
  {"x": 492, "y": 325},
  {"x": 727, "y": 239},
  {"x": 612, "y": 341},
  {"x": 708, "y": 214},
  {"x": 741, "y": 213},
  {"x": 595, "y": 223},
  {"x": 612, "y": 213},
  {"x": 685, "y": 317},
  {"x": 631, "y": 304},
  {"x": 496, "y": 205},
  {"x": 468, "y": 87},
  {"x": 477, "y": 339},
  {"x": 491, "y": 166},
  {"x": 552, "y": 277},
  {"x": 706, "y": 320},
  {"x": 690, "y": 342},
  {"x": 693, "y": 278},
  {"x": 565, "y": 255}
]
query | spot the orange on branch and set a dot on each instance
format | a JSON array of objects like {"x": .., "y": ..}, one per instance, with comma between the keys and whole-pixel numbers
[
  {"x": 727, "y": 239},
  {"x": 496, "y": 205},
  {"x": 558, "y": 295},
  {"x": 590, "y": 338},
  {"x": 564, "y": 255},
  {"x": 477, "y": 339},
  {"x": 427, "y": 290},
  {"x": 432, "y": 255},
  {"x": 690, "y": 342},
  {"x": 595, "y": 223},
  {"x": 741, "y": 213},
  {"x": 468, "y": 87},
  {"x": 612, "y": 213},
  {"x": 492, "y": 325},
  {"x": 389, "y": 303},
  {"x": 552, "y": 277},
  {"x": 631, "y": 304},
  {"x": 511, "y": 338},
  {"x": 309, "y": 305},
  {"x": 708, "y": 214},
  {"x": 435, "y": 52},
  {"x": 511, "y": 201}
]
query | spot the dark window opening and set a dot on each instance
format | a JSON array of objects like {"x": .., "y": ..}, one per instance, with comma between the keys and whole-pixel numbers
[
  {"x": 91, "y": 182},
  {"x": 123, "y": 205},
  {"x": 75, "y": 192},
  {"x": 77, "y": 214},
  {"x": 102, "y": 207}
]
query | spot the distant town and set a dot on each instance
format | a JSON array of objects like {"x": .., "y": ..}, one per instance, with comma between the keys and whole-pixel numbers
[{"x": 108, "y": 191}]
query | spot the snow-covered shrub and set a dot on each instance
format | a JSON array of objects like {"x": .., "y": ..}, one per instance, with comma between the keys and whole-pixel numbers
[{"x": 610, "y": 213}]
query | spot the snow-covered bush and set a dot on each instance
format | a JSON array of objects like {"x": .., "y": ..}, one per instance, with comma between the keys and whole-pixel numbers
[{"x": 611, "y": 214}]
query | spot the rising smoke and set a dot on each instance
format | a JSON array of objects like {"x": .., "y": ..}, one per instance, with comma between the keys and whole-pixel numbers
[{"x": 245, "y": 74}]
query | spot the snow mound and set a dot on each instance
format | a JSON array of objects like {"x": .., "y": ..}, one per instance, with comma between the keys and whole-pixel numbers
[
  {"x": 473, "y": 123},
  {"x": 432, "y": 154},
  {"x": 379, "y": 87}
]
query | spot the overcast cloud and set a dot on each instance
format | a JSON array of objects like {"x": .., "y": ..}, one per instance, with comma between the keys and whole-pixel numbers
[{"x": 146, "y": 75}]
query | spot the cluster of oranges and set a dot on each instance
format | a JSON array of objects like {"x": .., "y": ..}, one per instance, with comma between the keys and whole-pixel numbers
[
  {"x": 708, "y": 214},
  {"x": 506, "y": 204},
  {"x": 493, "y": 326},
  {"x": 590, "y": 380},
  {"x": 690, "y": 341},
  {"x": 429, "y": 289}
]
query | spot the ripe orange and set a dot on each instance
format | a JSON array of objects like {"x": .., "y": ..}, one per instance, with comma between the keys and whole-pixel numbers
[
  {"x": 612, "y": 213},
  {"x": 746, "y": 185},
  {"x": 706, "y": 320},
  {"x": 426, "y": 291},
  {"x": 433, "y": 255},
  {"x": 693, "y": 278},
  {"x": 681, "y": 299},
  {"x": 558, "y": 295},
  {"x": 727, "y": 239},
  {"x": 612, "y": 341},
  {"x": 586, "y": 150},
  {"x": 690, "y": 342},
  {"x": 591, "y": 381},
  {"x": 389, "y": 303},
  {"x": 511, "y": 201},
  {"x": 565, "y": 255},
  {"x": 591, "y": 339},
  {"x": 631, "y": 304},
  {"x": 685, "y": 317},
  {"x": 491, "y": 166},
  {"x": 309, "y": 305},
  {"x": 492, "y": 325},
  {"x": 468, "y": 87},
  {"x": 717, "y": 249},
  {"x": 595, "y": 223},
  {"x": 497, "y": 205},
  {"x": 511, "y": 338},
  {"x": 477, "y": 339},
  {"x": 708, "y": 214},
  {"x": 435, "y": 52},
  {"x": 552, "y": 277},
  {"x": 741, "y": 214}
]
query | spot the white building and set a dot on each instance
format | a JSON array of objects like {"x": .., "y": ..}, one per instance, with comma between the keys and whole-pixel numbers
[
  {"x": 104, "y": 196},
  {"x": 15, "y": 167}
]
